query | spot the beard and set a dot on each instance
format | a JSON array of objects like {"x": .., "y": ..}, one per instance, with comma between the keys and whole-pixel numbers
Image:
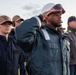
[{"x": 56, "y": 24}]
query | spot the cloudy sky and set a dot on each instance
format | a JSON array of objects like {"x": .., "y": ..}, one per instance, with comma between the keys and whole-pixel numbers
[{"x": 29, "y": 8}]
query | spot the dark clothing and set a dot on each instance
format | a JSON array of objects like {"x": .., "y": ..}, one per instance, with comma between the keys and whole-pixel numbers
[
  {"x": 12, "y": 33},
  {"x": 9, "y": 56},
  {"x": 49, "y": 56},
  {"x": 71, "y": 33},
  {"x": 72, "y": 39},
  {"x": 26, "y": 54},
  {"x": 22, "y": 56},
  {"x": 72, "y": 69}
]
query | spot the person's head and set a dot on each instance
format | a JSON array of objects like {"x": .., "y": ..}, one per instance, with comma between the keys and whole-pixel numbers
[
  {"x": 72, "y": 22},
  {"x": 52, "y": 14},
  {"x": 17, "y": 20},
  {"x": 5, "y": 25}
]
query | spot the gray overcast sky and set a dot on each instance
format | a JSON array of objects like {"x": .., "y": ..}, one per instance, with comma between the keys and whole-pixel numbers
[{"x": 29, "y": 8}]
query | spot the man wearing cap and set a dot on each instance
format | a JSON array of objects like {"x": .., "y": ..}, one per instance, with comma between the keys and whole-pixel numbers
[
  {"x": 71, "y": 33},
  {"x": 17, "y": 20},
  {"x": 49, "y": 48},
  {"x": 9, "y": 50}
]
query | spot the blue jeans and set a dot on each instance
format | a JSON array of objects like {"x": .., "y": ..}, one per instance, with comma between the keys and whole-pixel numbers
[{"x": 72, "y": 69}]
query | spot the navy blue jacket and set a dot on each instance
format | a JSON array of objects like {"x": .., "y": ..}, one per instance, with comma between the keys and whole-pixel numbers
[
  {"x": 9, "y": 57},
  {"x": 49, "y": 55}
]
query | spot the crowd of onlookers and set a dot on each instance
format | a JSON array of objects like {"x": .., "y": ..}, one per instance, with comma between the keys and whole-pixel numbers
[{"x": 39, "y": 45}]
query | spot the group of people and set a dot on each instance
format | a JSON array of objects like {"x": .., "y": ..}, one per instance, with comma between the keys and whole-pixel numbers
[
  {"x": 12, "y": 57},
  {"x": 38, "y": 46}
]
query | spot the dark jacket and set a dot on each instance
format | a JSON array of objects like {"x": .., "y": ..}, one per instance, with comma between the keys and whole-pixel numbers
[
  {"x": 49, "y": 56},
  {"x": 26, "y": 54},
  {"x": 22, "y": 55},
  {"x": 12, "y": 33},
  {"x": 72, "y": 39},
  {"x": 9, "y": 57}
]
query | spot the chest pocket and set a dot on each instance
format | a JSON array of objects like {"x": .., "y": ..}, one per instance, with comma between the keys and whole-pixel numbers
[
  {"x": 51, "y": 43},
  {"x": 16, "y": 55},
  {"x": 53, "y": 47},
  {"x": 15, "y": 52}
]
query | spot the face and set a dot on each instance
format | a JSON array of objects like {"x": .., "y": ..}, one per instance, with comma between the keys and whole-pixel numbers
[
  {"x": 5, "y": 28},
  {"x": 18, "y": 23},
  {"x": 54, "y": 19},
  {"x": 72, "y": 24}
]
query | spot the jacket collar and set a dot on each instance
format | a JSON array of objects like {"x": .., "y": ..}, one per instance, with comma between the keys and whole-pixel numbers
[
  {"x": 3, "y": 38},
  {"x": 71, "y": 30},
  {"x": 58, "y": 31}
]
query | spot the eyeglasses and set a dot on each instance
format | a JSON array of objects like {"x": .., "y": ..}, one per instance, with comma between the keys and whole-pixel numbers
[{"x": 55, "y": 13}]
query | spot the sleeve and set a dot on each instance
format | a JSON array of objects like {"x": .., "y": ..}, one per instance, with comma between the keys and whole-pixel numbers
[{"x": 26, "y": 32}]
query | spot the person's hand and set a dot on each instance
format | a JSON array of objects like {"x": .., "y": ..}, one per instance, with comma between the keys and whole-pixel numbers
[{"x": 45, "y": 14}]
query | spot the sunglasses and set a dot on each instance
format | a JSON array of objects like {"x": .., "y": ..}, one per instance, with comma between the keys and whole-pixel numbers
[{"x": 55, "y": 13}]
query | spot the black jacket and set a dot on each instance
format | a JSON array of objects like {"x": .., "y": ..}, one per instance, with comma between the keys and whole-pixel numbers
[
  {"x": 9, "y": 57},
  {"x": 72, "y": 39}
]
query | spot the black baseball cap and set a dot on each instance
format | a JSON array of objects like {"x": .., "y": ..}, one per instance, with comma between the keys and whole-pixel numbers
[{"x": 71, "y": 18}]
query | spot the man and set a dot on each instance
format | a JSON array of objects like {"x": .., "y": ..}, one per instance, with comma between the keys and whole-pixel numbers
[
  {"x": 72, "y": 38},
  {"x": 47, "y": 45},
  {"x": 9, "y": 50},
  {"x": 17, "y": 20}
]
